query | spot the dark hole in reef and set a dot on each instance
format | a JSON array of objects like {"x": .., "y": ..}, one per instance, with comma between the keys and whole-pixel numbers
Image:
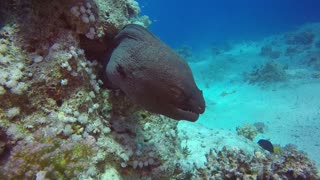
[
  {"x": 6, "y": 8},
  {"x": 63, "y": 19},
  {"x": 130, "y": 11},
  {"x": 290, "y": 173},
  {"x": 99, "y": 50},
  {"x": 2, "y": 18},
  {"x": 143, "y": 116},
  {"x": 96, "y": 49},
  {"x": 6, "y": 146},
  {"x": 59, "y": 102}
]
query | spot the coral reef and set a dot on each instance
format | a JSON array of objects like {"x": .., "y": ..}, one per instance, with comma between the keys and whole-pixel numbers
[
  {"x": 237, "y": 157},
  {"x": 55, "y": 119},
  {"x": 12, "y": 66},
  {"x": 248, "y": 131},
  {"x": 301, "y": 38},
  {"x": 53, "y": 156},
  {"x": 237, "y": 164},
  {"x": 293, "y": 164},
  {"x": 267, "y": 73}
]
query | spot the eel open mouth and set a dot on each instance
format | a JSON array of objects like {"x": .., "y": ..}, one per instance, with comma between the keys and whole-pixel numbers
[
  {"x": 190, "y": 114},
  {"x": 189, "y": 110},
  {"x": 187, "y": 114}
]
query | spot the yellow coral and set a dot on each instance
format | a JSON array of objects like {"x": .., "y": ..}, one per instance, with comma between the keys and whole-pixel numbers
[
  {"x": 61, "y": 116},
  {"x": 276, "y": 149}
]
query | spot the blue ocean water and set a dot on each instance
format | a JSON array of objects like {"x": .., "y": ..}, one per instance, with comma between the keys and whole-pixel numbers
[{"x": 202, "y": 22}]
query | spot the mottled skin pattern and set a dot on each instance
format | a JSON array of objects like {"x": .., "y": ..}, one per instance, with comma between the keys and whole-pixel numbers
[{"x": 154, "y": 76}]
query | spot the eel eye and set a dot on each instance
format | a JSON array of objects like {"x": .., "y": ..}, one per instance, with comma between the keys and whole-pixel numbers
[{"x": 121, "y": 71}]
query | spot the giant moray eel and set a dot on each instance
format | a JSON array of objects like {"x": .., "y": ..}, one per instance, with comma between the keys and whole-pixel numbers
[{"x": 153, "y": 76}]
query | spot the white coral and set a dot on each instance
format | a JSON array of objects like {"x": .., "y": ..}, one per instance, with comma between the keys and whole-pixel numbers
[{"x": 12, "y": 112}]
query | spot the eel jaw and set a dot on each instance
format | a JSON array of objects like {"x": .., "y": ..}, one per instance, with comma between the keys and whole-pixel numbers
[
  {"x": 187, "y": 115},
  {"x": 183, "y": 113}
]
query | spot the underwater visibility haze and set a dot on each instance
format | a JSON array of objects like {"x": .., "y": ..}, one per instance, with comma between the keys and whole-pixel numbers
[
  {"x": 103, "y": 89},
  {"x": 206, "y": 22}
]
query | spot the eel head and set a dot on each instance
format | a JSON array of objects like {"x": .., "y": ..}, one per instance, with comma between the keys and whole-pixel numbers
[{"x": 154, "y": 76}]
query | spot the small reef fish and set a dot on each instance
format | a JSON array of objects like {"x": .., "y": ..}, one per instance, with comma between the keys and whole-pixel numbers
[{"x": 267, "y": 145}]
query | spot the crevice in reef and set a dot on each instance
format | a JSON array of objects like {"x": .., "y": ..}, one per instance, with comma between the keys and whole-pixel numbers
[{"x": 96, "y": 49}]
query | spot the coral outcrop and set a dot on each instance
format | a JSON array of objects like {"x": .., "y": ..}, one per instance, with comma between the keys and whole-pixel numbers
[
  {"x": 248, "y": 131},
  {"x": 237, "y": 164},
  {"x": 268, "y": 73}
]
